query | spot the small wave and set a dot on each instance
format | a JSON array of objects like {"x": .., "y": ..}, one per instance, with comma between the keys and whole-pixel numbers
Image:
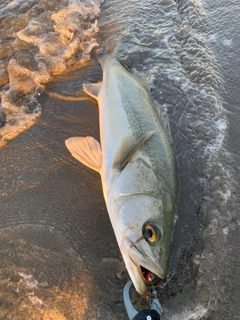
[{"x": 43, "y": 39}]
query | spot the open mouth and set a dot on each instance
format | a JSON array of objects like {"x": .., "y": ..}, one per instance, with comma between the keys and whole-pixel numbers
[
  {"x": 149, "y": 271},
  {"x": 149, "y": 277},
  {"x": 142, "y": 270}
]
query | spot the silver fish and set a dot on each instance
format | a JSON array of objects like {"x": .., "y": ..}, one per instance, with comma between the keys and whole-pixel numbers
[{"x": 138, "y": 170}]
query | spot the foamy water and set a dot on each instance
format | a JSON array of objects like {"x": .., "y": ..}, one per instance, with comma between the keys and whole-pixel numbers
[
  {"x": 47, "y": 39},
  {"x": 171, "y": 44},
  {"x": 41, "y": 39}
]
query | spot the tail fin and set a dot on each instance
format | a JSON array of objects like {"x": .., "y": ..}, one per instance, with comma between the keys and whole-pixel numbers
[{"x": 107, "y": 53}]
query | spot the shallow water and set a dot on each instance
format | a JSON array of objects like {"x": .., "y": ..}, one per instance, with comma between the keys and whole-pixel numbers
[
  {"x": 40, "y": 39},
  {"x": 188, "y": 52}
]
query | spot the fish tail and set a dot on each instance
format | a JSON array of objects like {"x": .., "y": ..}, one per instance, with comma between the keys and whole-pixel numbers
[{"x": 107, "y": 54}]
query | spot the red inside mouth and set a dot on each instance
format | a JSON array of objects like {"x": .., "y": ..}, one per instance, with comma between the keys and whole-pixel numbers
[{"x": 148, "y": 276}]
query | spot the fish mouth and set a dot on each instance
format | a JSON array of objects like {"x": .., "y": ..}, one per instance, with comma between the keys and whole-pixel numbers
[
  {"x": 148, "y": 277},
  {"x": 142, "y": 271},
  {"x": 149, "y": 271}
]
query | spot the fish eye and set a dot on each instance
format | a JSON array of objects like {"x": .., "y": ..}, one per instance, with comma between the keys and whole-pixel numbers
[{"x": 151, "y": 233}]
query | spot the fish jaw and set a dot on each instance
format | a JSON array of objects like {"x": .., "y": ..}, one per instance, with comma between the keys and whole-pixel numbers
[
  {"x": 134, "y": 270},
  {"x": 135, "y": 260},
  {"x": 129, "y": 213}
]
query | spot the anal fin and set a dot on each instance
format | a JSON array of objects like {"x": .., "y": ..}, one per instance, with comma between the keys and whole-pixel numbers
[{"x": 87, "y": 150}]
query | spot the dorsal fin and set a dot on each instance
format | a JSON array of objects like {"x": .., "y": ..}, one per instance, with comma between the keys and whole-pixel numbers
[
  {"x": 122, "y": 159},
  {"x": 92, "y": 89},
  {"x": 86, "y": 150}
]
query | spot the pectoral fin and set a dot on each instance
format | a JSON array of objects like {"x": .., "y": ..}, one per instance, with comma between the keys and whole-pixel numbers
[
  {"x": 126, "y": 154},
  {"x": 86, "y": 150},
  {"x": 92, "y": 89}
]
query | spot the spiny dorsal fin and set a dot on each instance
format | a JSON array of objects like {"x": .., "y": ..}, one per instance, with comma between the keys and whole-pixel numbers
[
  {"x": 92, "y": 89},
  {"x": 86, "y": 150},
  {"x": 122, "y": 159}
]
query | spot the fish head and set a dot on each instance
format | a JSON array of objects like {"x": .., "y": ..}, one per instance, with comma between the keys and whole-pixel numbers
[{"x": 144, "y": 237}]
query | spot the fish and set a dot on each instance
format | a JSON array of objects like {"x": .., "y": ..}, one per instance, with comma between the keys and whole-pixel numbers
[{"x": 138, "y": 168}]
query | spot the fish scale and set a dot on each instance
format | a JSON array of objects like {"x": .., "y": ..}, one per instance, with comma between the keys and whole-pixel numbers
[
  {"x": 138, "y": 170},
  {"x": 138, "y": 124}
]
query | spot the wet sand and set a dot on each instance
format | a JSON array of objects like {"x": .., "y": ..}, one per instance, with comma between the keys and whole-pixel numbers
[
  {"x": 224, "y": 21},
  {"x": 59, "y": 258},
  {"x": 58, "y": 255}
]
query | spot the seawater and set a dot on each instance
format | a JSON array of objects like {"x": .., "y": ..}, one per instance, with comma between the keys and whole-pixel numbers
[
  {"x": 40, "y": 39},
  {"x": 177, "y": 47}
]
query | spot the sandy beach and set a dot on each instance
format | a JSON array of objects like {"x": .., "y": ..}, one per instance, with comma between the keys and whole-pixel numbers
[
  {"x": 58, "y": 251},
  {"x": 59, "y": 259}
]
